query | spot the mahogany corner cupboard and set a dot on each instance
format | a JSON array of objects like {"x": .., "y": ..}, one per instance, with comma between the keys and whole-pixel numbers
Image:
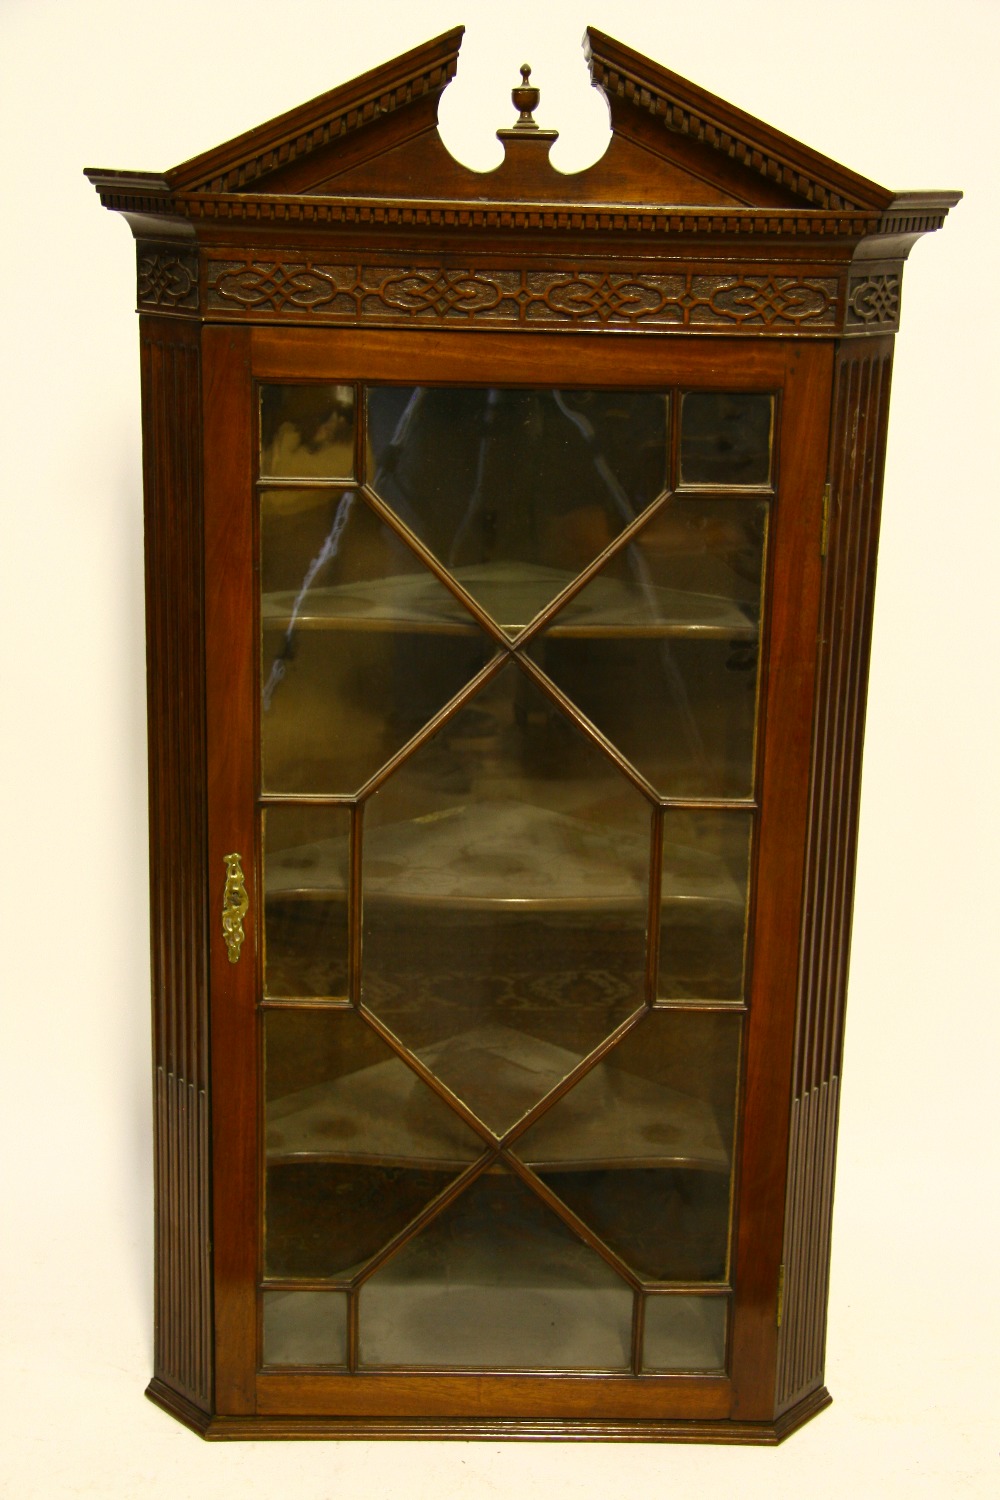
[{"x": 510, "y": 555}]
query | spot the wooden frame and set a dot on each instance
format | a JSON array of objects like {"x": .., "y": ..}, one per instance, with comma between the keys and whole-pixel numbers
[{"x": 705, "y": 249}]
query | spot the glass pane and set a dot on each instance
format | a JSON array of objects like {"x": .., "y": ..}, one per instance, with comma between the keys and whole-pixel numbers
[
  {"x": 306, "y": 871},
  {"x": 305, "y": 1328},
  {"x": 726, "y": 438},
  {"x": 685, "y": 1333},
  {"x": 660, "y": 649},
  {"x": 516, "y": 491},
  {"x": 641, "y": 1148},
  {"x": 497, "y": 1280},
  {"x": 307, "y": 431},
  {"x": 327, "y": 1218},
  {"x": 356, "y": 1143},
  {"x": 348, "y": 672},
  {"x": 706, "y": 859},
  {"x": 506, "y": 888}
]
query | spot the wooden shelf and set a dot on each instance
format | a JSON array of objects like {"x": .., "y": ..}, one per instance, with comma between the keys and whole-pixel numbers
[
  {"x": 386, "y": 1115},
  {"x": 490, "y": 853},
  {"x": 512, "y": 595}
]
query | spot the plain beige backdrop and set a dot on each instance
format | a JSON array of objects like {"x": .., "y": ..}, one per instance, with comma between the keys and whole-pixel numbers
[{"x": 904, "y": 93}]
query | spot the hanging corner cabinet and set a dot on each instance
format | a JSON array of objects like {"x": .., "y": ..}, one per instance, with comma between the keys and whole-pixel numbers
[{"x": 502, "y": 803}]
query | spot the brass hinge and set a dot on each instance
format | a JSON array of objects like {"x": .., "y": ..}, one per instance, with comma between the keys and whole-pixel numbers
[
  {"x": 824, "y": 536},
  {"x": 781, "y": 1294}
]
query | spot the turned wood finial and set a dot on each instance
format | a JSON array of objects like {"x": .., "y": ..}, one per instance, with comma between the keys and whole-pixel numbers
[{"x": 525, "y": 98}]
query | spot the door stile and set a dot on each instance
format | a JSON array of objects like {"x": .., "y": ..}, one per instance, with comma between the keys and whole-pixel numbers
[
  {"x": 230, "y": 679},
  {"x": 788, "y": 688}
]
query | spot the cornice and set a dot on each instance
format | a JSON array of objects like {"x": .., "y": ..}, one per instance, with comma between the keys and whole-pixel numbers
[
  {"x": 496, "y": 217},
  {"x": 222, "y": 194}
]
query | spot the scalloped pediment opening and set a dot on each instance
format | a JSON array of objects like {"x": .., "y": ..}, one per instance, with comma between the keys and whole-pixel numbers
[
  {"x": 478, "y": 100},
  {"x": 671, "y": 143}
]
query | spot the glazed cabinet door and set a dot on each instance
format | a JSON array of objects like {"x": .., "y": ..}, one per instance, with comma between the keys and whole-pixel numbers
[{"x": 510, "y": 689}]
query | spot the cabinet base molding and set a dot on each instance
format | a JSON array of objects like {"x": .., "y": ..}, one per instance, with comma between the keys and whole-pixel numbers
[{"x": 229, "y": 1429}]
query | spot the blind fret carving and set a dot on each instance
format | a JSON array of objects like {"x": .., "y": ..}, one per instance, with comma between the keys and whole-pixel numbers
[
  {"x": 873, "y": 301},
  {"x": 683, "y": 299},
  {"x": 166, "y": 278}
]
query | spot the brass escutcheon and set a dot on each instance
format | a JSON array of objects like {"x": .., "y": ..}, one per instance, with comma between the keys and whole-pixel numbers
[{"x": 234, "y": 906}]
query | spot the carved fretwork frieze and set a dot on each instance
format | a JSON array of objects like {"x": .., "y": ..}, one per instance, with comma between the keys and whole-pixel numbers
[
  {"x": 312, "y": 290},
  {"x": 166, "y": 277},
  {"x": 873, "y": 301}
]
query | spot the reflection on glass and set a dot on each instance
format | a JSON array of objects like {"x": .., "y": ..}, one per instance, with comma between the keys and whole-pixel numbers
[
  {"x": 305, "y": 901},
  {"x": 356, "y": 1144},
  {"x": 668, "y": 1225},
  {"x": 307, "y": 431},
  {"x": 516, "y": 491},
  {"x": 685, "y": 1333},
  {"x": 326, "y": 1218},
  {"x": 726, "y": 438},
  {"x": 305, "y": 1328},
  {"x": 506, "y": 878},
  {"x": 641, "y": 1147},
  {"x": 348, "y": 673},
  {"x": 660, "y": 649},
  {"x": 496, "y": 1280},
  {"x": 706, "y": 858}
]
